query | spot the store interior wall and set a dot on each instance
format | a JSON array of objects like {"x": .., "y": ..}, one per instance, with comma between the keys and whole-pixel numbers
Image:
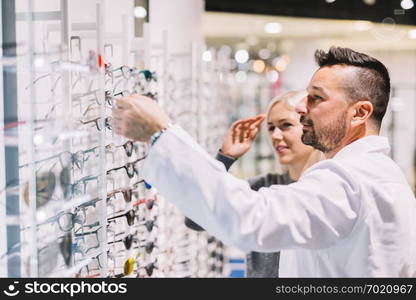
[{"x": 181, "y": 19}]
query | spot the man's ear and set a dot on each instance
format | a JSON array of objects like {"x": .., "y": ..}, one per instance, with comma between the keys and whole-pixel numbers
[{"x": 362, "y": 110}]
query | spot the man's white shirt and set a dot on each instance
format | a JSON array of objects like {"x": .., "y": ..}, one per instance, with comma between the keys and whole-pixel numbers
[{"x": 349, "y": 216}]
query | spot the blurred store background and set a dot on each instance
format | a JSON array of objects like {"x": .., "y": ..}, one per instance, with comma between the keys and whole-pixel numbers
[{"x": 273, "y": 44}]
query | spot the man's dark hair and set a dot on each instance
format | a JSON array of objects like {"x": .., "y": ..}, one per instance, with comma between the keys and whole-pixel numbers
[{"x": 372, "y": 82}]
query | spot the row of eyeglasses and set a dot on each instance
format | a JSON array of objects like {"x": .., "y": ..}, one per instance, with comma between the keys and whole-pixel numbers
[{"x": 128, "y": 243}]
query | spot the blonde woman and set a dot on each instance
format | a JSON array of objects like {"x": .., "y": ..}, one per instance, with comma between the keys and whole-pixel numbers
[{"x": 292, "y": 159}]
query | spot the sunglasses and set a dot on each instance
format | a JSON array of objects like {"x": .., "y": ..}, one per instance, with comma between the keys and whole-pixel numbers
[
  {"x": 148, "y": 247},
  {"x": 126, "y": 192},
  {"x": 144, "y": 77},
  {"x": 149, "y": 224},
  {"x": 149, "y": 202},
  {"x": 46, "y": 182},
  {"x": 48, "y": 255},
  {"x": 211, "y": 240},
  {"x": 128, "y": 268},
  {"x": 129, "y": 146},
  {"x": 150, "y": 95},
  {"x": 149, "y": 268},
  {"x": 45, "y": 188},
  {"x": 145, "y": 84}
]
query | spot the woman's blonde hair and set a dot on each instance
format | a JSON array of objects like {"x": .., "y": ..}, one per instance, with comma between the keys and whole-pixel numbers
[{"x": 291, "y": 99}]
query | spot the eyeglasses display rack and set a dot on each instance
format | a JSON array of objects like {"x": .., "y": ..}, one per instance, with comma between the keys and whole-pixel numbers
[{"x": 74, "y": 201}]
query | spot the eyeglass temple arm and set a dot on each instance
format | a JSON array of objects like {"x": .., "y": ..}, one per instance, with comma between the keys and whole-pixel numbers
[
  {"x": 115, "y": 169},
  {"x": 116, "y": 217}
]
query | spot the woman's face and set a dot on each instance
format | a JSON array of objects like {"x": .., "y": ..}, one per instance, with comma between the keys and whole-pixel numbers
[{"x": 285, "y": 131}]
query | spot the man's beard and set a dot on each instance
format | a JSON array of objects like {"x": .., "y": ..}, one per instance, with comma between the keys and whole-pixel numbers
[{"x": 329, "y": 137}]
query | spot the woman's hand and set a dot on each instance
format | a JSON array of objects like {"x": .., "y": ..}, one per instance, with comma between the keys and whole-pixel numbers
[{"x": 240, "y": 136}]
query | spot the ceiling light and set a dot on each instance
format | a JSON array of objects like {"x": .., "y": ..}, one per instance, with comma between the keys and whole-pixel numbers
[
  {"x": 241, "y": 56},
  {"x": 370, "y": 2},
  {"x": 140, "y": 12},
  {"x": 330, "y": 1},
  {"x": 273, "y": 27},
  {"x": 281, "y": 63},
  {"x": 258, "y": 66},
  {"x": 407, "y": 4},
  {"x": 207, "y": 56}
]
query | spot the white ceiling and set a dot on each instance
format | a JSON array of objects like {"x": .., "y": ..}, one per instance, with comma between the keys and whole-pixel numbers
[{"x": 241, "y": 26}]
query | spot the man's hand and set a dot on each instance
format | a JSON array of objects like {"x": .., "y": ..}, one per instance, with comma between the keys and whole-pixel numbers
[
  {"x": 138, "y": 117},
  {"x": 240, "y": 136}
]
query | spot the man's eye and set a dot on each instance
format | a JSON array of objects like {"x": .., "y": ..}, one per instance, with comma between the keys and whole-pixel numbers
[{"x": 314, "y": 98}]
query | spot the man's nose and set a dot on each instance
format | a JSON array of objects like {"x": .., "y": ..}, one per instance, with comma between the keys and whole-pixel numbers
[{"x": 301, "y": 107}]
